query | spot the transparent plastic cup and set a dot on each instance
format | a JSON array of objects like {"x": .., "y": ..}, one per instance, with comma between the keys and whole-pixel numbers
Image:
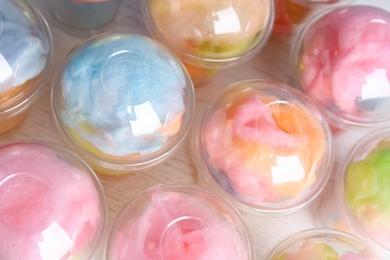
[
  {"x": 264, "y": 146},
  {"x": 179, "y": 221},
  {"x": 25, "y": 57},
  {"x": 84, "y": 14},
  {"x": 123, "y": 102},
  {"x": 359, "y": 202},
  {"x": 291, "y": 15},
  {"x": 322, "y": 244},
  {"x": 343, "y": 67},
  {"x": 52, "y": 205},
  {"x": 210, "y": 36}
]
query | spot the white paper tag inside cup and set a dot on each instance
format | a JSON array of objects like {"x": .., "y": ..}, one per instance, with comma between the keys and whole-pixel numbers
[{"x": 5, "y": 70}]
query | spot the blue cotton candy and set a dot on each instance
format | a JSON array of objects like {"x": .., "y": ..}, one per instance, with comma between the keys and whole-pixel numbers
[
  {"x": 23, "y": 53},
  {"x": 121, "y": 93}
]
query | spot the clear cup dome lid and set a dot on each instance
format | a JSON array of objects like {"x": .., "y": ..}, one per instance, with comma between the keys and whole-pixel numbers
[
  {"x": 211, "y": 34},
  {"x": 264, "y": 145},
  {"x": 25, "y": 51},
  {"x": 122, "y": 101},
  {"x": 51, "y": 204},
  {"x": 366, "y": 187},
  {"x": 341, "y": 60},
  {"x": 177, "y": 221},
  {"x": 322, "y": 244}
]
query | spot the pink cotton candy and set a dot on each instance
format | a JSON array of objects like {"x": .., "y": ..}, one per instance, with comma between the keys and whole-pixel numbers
[
  {"x": 218, "y": 139},
  {"x": 253, "y": 139},
  {"x": 344, "y": 61},
  {"x": 264, "y": 145},
  {"x": 177, "y": 226},
  {"x": 253, "y": 122},
  {"x": 49, "y": 209}
]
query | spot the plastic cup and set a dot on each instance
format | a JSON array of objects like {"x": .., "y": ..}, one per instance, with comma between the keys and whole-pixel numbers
[
  {"x": 25, "y": 57},
  {"x": 322, "y": 244},
  {"x": 84, "y": 14},
  {"x": 51, "y": 203},
  {"x": 123, "y": 102},
  {"x": 264, "y": 146},
  {"x": 340, "y": 61},
  {"x": 207, "y": 35},
  {"x": 291, "y": 15},
  {"x": 360, "y": 203},
  {"x": 179, "y": 221}
]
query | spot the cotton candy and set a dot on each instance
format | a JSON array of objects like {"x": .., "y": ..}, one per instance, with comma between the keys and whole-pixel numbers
[
  {"x": 343, "y": 63},
  {"x": 123, "y": 95},
  {"x": 23, "y": 49},
  {"x": 263, "y": 149},
  {"x": 49, "y": 209},
  {"x": 218, "y": 29},
  {"x": 288, "y": 15},
  {"x": 368, "y": 193},
  {"x": 176, "y": 226}
]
